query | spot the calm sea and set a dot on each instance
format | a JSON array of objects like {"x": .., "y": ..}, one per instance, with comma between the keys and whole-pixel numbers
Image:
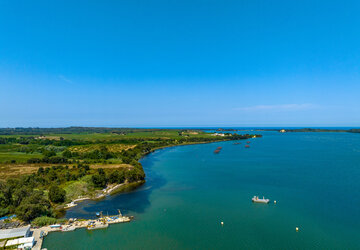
[{"x": 314, "y": 177}]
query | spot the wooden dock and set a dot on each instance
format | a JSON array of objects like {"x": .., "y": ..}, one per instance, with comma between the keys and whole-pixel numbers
[{"x": 73, "y": 225}]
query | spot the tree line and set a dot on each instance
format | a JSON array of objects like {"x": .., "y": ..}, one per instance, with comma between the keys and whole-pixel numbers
[{"x": 36, "y": 195}]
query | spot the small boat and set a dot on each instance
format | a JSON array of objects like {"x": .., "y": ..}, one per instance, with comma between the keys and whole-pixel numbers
[
  {"x": 247, "y": 146},
  {"x": 256, "y": 199},
  {"x": 70, "y": 205},
  {"x": 248, "y": 142},
  {"x": 97, "y": 226},
  {"x": 217, "y": 150},
  {"x": 55, "y": 226},
  {"x": 68, "y": 229},
  {"x": 236, "y": 143}
]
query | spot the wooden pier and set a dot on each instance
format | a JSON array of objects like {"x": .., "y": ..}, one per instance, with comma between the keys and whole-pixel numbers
[{"x": 71, "y": 225}]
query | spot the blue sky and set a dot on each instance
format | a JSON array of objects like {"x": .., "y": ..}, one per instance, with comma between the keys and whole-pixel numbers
[{"x": 179, "y": 63}]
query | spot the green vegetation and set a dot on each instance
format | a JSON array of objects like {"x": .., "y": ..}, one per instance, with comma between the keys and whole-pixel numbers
[
  {"x": 42, "y": 169},
  {"x": 56, "y": 194},
  {"x": 43, "y": 221}
]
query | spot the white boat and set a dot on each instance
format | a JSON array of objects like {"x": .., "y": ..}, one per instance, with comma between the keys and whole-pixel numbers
[
  {"x": 68, "y": 229},
  {"x": 97, "y": 226},
  {"x": 259, "y": 200},
  {"x": 70, "y": 205},
  {"x": 55, "y": 226}
]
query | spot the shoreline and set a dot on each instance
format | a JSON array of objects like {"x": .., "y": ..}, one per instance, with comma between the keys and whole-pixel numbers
[
  {"x": 117, "y": 188},
  {"x": 120, "y": 187},
  {"x": 294, "y": 130},
  {"x": 111, "y": 190}
]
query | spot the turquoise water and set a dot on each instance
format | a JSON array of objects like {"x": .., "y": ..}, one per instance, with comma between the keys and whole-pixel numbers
[{"x": 314, "y": 177}]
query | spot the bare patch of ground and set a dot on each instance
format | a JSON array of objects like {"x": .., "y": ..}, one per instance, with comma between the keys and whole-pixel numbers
[
  {"x": 114, "y": 148},
  {"x": 98, "y": 165}
]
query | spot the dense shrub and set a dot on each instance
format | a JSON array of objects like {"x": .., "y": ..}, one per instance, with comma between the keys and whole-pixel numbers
[
  {"x": 3, "y": 211},
  {"x": 35, "y": 205},
  {"x": 43, "y": 221},
  {"x": 33, "y": 160},
  {"x": 117, "y": 177},
  {"x": 99, "y": 179},
  {"x": 57, "y": 194}
]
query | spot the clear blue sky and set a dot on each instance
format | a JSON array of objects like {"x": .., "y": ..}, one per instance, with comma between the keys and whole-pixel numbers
[{"x": 179, "y": 63}]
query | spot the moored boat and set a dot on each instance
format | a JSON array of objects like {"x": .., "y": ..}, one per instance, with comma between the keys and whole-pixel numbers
[
  {"x": 259, "y": 200},
  {"x": 55, "y": 226},
  {"x": 97, "y": 226},
  {"x": 217, "y": 150},
  {"x": 68, "y": 229}
]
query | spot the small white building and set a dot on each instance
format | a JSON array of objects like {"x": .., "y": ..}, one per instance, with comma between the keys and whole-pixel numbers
[
  {"x": 21, "y": 243},
  {"x": 15, "y": 232},
  {"x": 218, "y": 134}
]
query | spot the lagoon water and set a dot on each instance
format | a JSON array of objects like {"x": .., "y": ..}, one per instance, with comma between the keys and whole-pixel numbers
[{"x": 314, "y": 177}]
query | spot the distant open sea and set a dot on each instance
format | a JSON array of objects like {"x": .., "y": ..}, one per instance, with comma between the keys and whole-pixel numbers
[{"x": 314, "y": 177}]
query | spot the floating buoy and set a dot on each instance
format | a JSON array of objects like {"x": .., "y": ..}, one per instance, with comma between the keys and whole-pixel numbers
[
  {"x": 274, "y": 202},
  {"x": 222, "y": 223},
  {"x": 297, "y": 229}
]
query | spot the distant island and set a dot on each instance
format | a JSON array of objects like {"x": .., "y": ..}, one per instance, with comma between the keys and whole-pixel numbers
[
  {"x": 323, "y": 130},
  {"x": 293, "y": 130},
  {"x": 43, "y": 171}
]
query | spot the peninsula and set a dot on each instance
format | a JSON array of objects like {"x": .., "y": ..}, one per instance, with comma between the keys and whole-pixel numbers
[
  {"x": 43, "y": 171},
  {"x": 352, "y": 130}
]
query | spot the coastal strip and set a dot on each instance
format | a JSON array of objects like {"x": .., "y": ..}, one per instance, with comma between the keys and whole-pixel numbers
[{"x": 73, "y": 224}]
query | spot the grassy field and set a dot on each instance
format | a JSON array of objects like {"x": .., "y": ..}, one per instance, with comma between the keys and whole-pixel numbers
[
  {"x": 18, "y": 150},
  {"x": 14, "y": 156},
  {"x": 111, "y": 147},
  {"x": 18, "y": 157},
  {"x": 16, "y": 170},
  {"x": 173, "y": 134},
  {"x": 10, "y": 152}
]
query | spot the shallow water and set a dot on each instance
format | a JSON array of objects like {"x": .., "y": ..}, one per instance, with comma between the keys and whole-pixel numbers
[{"x": 314, "y": 177}]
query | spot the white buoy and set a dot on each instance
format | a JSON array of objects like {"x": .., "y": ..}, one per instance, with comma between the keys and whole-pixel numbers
[
  {"x": 274, "y": 202},
  {"x": 297, "y": 229},
  {"x": 222, "y": 223}
]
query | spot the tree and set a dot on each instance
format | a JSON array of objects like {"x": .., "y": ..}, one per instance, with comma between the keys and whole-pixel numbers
[
  {"x": 57, "y": 194},
  {"x": 19, "y": 195},
  {"x": 48, "y": 153},
  {"x": 33, "y": 206},
  {"x": 67, "y": 154},
  {"x": 117, "y": 177},
  {"x": 4, "y": 211},
  {"x": 40, "y": 170},
  {"x": 99, "y": 179},
  {"x": 134, "y": 175}
]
